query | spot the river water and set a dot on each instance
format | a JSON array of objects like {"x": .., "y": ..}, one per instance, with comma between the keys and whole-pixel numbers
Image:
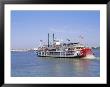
[{"x": 27, "y": 64}]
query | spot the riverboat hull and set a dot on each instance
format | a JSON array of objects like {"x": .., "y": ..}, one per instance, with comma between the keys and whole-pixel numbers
[{"x": 62, "y": 54}]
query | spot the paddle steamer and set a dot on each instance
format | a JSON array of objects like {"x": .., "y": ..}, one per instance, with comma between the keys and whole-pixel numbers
[{"x": 64, "y": 50}]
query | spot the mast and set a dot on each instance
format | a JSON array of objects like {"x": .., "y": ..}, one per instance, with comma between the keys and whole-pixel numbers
[
  {"x": 53, "y": 38},
  {"x": 48, "y": 39}
]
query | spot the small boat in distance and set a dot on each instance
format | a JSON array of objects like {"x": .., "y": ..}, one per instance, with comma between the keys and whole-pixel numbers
[{"x": 63, "y": 50}]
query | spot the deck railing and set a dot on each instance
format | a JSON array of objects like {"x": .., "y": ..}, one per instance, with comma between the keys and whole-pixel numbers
[{"x": 56, "y": 53}]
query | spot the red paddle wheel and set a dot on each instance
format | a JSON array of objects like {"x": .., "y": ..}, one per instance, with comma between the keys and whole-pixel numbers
[{"x": 86, "y": 51}]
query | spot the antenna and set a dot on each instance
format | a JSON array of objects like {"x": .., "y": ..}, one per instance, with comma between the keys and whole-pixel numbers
[
  {"x": 82, "y": 40},
  {"x": 48, "y": 39}
]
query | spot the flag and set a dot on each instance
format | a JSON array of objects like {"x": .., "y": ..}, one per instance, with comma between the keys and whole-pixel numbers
[
  {"x": 68, "y": 39},
  {"x": 41, "y": 40},
  {"x": 81, "y": 37}
]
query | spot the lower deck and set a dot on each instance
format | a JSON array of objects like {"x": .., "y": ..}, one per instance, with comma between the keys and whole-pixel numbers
[{"x": 61, "y": 54}]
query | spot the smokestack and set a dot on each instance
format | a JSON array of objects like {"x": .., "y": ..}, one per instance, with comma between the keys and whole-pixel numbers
[
  {"x": 48, "y": 39},
  {"x": 53, "y": 38}
]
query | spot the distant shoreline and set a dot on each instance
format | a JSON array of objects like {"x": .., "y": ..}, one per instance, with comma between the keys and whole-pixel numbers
[
  {"x": 23, "y": 50},
  {"x": 95, "y": 47}
]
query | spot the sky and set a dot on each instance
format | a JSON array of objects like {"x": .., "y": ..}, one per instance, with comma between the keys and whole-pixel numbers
[{"x": 29, "y": 27}]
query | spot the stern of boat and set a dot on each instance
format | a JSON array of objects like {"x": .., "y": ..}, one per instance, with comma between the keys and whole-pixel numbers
[{"x": 85, "y": 52}]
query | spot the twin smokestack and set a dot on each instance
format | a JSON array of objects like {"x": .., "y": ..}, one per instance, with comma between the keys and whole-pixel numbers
[{"x": 49, "y": 37}]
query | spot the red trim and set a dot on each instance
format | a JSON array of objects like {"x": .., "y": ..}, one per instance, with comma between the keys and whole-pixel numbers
[{"x": 86, "y": 51}]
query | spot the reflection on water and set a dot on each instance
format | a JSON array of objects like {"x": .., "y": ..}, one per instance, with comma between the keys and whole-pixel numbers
[
  {"x": 75, "y": 67},
  {"x": 28, "y": 64}
]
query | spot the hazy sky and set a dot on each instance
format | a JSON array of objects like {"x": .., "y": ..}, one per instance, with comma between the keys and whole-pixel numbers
[{"x": 29, "y": 27}]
